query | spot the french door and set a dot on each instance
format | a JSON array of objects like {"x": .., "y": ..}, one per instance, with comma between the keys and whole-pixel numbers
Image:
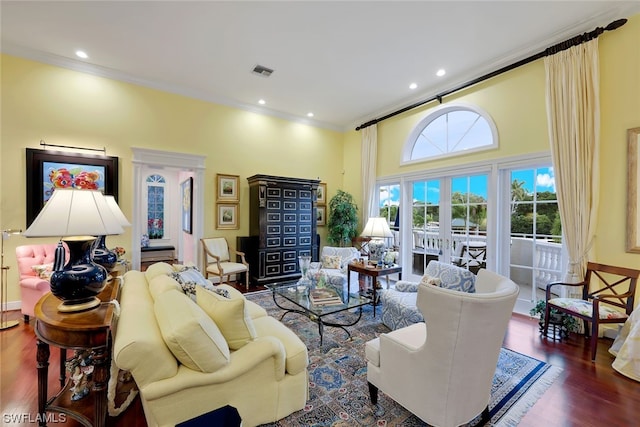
[{"x": 449, "y": 217}]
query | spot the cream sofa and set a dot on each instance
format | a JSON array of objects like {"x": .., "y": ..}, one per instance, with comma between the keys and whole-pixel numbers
[{"x": 185, "y": 364}]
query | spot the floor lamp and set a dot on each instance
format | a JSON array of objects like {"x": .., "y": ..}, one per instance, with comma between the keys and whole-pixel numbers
[{"x": 4, "y": 323}]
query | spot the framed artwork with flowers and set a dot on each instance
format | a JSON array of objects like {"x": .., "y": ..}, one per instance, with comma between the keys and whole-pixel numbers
[{"x": 48, "y": 170}]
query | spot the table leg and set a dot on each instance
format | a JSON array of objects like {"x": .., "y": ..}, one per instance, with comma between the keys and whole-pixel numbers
[
  {"x": 102, "y": 367},
  {"x": 42, "y": 358}
]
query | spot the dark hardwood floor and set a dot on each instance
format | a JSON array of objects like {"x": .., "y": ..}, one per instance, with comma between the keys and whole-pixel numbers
[{"x": 585, "y": 394}]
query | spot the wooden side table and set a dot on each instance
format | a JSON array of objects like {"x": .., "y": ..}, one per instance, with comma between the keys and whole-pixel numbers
[
  {"x": 85, "y": 330},
  {"x": 374, "y": 272}
]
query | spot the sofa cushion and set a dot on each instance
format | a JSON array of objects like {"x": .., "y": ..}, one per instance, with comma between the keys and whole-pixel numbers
[
  {"x": 157, "y": 269},
  {"x": 229, "y": 314},
  {"x": 162, "y": 283},
  {"x": 191, "y": 335}
]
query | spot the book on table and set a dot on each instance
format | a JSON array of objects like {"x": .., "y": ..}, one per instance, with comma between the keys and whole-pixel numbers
[{"x": 324, "y": 297}]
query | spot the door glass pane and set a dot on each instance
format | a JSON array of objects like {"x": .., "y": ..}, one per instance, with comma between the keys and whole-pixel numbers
[
  {"x": 536, "y": 233},
  {"x": 425, "y": 224},
  {"x": 389, "y": 196},
  {"x": 469, "y": 221}
]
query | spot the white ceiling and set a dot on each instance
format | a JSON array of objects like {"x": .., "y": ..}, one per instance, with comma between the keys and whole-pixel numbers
[{"x": 347, "y": 62}]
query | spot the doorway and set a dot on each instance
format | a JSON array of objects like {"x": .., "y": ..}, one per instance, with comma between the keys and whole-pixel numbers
[{"x": 174, "y": 167}]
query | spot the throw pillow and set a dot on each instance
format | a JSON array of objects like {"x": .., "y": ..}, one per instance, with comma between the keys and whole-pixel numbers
[
  {"x": 230, "y": 314},
  {"x": 189, "y": 278},
  {"x": 191, "y": 335},
  {"x": 430, "y": 280},
  {"x": 331, "y": 261},
  {"x": 43, "y": 271}
]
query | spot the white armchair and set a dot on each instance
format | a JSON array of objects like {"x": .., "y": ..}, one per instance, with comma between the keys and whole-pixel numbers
[
  {"x": 217, "y": 260},
  {"x": 442, "y": 369}
]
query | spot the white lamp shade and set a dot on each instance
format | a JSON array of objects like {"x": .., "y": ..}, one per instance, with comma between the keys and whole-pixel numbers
[
  {"x": 377, "y": 227},
  {"x": 111, "y": 201},
  {"x": 71, "y": 212}
]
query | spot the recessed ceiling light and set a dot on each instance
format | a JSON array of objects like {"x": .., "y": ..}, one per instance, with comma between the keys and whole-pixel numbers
[
  {"x": 413, "y": 86},
  {"x": 262, "y": 101},
  {"x": 441, "y": 72},
  {"x": 81, "y": 54},
  {"x": 309, "y": 114}
]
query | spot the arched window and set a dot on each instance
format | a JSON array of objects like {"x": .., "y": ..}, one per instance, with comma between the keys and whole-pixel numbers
[
  {"x": 155, "y": 206},
  {"x": 450, "y": 130}
]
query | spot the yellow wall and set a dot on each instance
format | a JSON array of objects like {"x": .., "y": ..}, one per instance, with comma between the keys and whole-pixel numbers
[
  {"x": 70, "y": 108},
  {"x": 66, "y": 107}
]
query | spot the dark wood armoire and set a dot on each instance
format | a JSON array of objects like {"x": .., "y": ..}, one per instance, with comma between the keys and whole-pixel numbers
[{"x": 282, "y": 227}]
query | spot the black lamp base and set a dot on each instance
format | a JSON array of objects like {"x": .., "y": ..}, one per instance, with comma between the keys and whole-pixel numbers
[{"x": 80, "y": 281}]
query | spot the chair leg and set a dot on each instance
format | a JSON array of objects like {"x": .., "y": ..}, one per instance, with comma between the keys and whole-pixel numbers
[
  {"x": 26, "y": 318},
  {"x": 484, "y": 417},
  {"x": 246, "y": 279},
  {"x": 594, "y": 340},
  {"x": 373, "y": 393}
]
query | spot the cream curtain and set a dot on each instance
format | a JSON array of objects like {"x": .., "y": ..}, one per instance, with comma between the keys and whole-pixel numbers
[
  {"x": 369, "y": 154},
  {"x": 573, "y": 113}
]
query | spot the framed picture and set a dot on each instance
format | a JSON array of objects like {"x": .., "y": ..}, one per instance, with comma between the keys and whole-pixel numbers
[
  {"x": 633, "y": 203},
  {"x": 228, "y": 188},
  {"x": 48, "y": 170},
  {"x": 227, "y": 216},
  {"x": 321, "y": 214},
  {"x": 186, "y": 188},
  {"x": 322, "y": 194}
]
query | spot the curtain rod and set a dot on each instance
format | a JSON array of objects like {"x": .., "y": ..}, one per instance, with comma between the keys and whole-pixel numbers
[
  {"x": 574, "y": 41},
  {"x": 44, "y": 144}
]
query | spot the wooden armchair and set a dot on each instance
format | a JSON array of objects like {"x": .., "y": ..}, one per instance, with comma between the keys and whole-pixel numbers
[
  {"x": 607, "y": 297},
  {"x": 217, "y": 260}
]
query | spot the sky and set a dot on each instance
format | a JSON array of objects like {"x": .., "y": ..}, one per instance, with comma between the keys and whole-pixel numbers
[{"x": 541, "y": 179}]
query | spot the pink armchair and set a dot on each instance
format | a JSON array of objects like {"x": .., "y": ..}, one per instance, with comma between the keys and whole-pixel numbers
[{"x": 32, "y": 287}]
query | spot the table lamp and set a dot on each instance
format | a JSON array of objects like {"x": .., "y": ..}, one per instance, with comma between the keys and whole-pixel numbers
[
  {"x": 101, "y": 254},
  {"x": 4, "y": 323},
  {"x": 76, "y": 216},
  {"x": 378, "y": 230}
]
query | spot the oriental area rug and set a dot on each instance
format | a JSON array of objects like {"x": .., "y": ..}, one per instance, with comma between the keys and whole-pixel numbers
[{"x": 338, "y": 391}]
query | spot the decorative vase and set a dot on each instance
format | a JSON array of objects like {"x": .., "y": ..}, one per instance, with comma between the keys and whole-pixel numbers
[
  {"x": 305, "y": 263},
  {"x": 80, "y": 281},
  {"x": 102, "y": 255}
]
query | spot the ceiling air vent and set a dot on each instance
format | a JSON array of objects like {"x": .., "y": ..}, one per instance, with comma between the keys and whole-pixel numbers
[{"x": 262, "y": 70}]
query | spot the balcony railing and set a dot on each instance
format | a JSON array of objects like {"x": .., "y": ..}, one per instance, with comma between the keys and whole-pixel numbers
[{"x": 535, "y": 262}]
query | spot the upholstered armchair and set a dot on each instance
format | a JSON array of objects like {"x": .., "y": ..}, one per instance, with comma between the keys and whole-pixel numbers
[
  {"x": 399, "y": 304},
  {"x": 217, "y": 260},
  {"x": 333, "y": 263},
  {"x": 442, "y": 369},
  {"x": 35, "y": 264}
]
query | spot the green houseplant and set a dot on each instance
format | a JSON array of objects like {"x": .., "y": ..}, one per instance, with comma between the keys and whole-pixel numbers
[
  {"x": 343, "y": 219},
  {"x": 566, "y": 322}
]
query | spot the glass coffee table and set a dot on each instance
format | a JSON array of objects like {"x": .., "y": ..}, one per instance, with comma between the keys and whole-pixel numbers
[{"x": 297, "y": 299}]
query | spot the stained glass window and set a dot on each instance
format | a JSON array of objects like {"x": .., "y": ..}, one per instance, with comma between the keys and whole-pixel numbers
[{"x": 155, "y": 206}]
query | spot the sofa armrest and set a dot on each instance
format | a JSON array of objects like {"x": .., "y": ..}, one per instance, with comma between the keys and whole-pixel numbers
[
  {"x": 35, "y": 283},
  {"x": 406, "y": 286},
  {"x": 242, "y": 362}
]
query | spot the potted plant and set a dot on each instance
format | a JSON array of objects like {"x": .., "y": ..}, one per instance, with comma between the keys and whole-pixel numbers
[
  {"x": 565, "y": 322},
  {"x": 343, "y": 219}
]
